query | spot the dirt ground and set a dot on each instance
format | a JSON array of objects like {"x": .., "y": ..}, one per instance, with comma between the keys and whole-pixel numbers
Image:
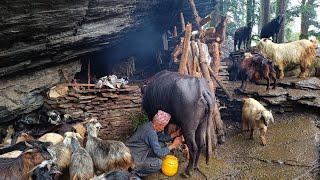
[{"x": 292, "y": 152}]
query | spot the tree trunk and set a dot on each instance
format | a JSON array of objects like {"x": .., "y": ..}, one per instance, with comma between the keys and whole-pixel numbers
[
  {"x": 250, "y": 11},
  {"x": 305, "y": 17},
  {"x": 282, "y": 7},
  {"x": 264, "y": 12}
]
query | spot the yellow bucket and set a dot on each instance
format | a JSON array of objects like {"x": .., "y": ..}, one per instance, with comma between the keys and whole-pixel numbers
[{"x": 169, "y": 165}]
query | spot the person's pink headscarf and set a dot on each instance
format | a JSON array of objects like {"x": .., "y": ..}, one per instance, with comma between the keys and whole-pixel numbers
[{"x": 162, "y": 117}]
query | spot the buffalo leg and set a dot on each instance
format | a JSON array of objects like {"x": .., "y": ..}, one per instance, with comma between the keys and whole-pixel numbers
[
  {"x": 190, "y": 140},
  {"x": 200, "y": 133}
]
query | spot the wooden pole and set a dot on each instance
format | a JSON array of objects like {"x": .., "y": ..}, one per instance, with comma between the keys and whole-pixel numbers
[
  {"x": 215, "y": 59},
  {"x": 175, "y": 32},
  {"x": 217, "y": 122},
  {"x": 195, "y": 55},
  {"x": 204, "y": 66},
  {"x": 186, "y": 44},
  {"x": 183, "y": 24},
  {"x": 206, "y": 75},
  {"x": 195, "y": 14},
  {"x": 89, "y": 73}
]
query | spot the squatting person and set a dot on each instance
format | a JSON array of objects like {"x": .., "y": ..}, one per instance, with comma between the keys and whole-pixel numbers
[{"x": 145, "y": 148}]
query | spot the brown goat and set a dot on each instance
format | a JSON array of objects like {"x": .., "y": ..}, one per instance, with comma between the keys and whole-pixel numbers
[
  {"x": 20, "y": 167},
  {"x": 255, "y": 68}
]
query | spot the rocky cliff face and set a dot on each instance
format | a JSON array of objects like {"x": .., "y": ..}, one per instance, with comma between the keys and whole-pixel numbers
[
  {"x": 34, "y": 34},
  {"x": 38, "y": 38}
]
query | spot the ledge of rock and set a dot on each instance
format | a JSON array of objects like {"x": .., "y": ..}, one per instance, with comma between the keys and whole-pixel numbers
[
  {"x": 36, "y": 34},
  {"x": 23, "y": 94}
]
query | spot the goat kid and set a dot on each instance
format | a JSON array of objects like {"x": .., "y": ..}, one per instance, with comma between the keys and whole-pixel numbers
[{"x": 254, "y": 115}]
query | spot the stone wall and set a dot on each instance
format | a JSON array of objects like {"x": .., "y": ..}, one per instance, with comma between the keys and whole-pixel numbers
[{"x": 114, "y": 108}]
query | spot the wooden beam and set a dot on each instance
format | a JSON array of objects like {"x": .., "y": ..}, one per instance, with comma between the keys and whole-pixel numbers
[
  {"x": 186, "y": 46},
  {"x": 195, "y": 14},
  {"x": 183, "y": 24}
]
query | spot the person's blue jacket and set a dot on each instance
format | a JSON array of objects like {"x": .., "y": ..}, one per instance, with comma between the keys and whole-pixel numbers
[{"x": 144, "y": 142}]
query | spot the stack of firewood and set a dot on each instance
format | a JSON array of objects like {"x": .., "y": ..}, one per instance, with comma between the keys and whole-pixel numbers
[{"x": 114, "y": 108}]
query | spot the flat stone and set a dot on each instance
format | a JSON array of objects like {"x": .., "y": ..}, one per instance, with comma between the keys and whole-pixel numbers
[
  {"x": 311, "y": 83},
  {"x": 297, "y": 94},
  {"x": 275, "y": 100},
  {"x": 279, "y": 91},
  {"x": 313, "y": 103}
]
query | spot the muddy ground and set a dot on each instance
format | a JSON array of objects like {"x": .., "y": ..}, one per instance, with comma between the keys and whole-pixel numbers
[{"x": 292, "y": 152}]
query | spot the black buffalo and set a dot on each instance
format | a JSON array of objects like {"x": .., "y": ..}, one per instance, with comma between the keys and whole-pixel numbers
[{"x": 190, "y": 103}]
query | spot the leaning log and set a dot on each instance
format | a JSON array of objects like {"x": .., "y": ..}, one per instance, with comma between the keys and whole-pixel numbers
[{"x": 186, "y": 45}]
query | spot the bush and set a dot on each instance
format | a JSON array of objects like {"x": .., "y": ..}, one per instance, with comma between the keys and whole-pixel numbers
[{"x": 139, "y": 119}]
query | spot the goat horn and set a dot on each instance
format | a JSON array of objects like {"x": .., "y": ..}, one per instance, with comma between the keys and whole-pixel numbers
[{"x": 28, "y": 145}]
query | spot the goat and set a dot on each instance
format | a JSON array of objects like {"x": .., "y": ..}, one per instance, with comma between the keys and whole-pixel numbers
[
  {"x": 257, "y": 67},
  {"x": 81, "y": 165},
  {"x": 107, "y": 155},
  {"x": 301, "y": 52},
  {"x": 79, "y": 128},
  {"x": 243, "y": 34},
  {"x": 47, "y": 170},
  {"x": 54, "y": 138},
  {"x": 272, "y": 28},
  {"x": 19, "y": 168},
  {"x": 255, "y": 115}
]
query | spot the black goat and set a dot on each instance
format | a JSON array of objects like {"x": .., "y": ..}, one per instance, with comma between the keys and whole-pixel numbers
[
  {"x": 243, "y": 34},
  {"x": 47, "y": 170},
  {"x": 272, "y": 28}
]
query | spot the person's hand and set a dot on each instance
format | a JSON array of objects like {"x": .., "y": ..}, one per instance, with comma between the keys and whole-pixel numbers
[{"x": 176, "y": 142}]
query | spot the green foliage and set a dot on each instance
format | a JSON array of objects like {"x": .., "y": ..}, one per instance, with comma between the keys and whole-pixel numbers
[{"x": 138, "y": 119}]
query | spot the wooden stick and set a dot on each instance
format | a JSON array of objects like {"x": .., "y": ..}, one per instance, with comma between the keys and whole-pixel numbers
[
  {"x": 89, "y": 72},
  {"x": 195, "y": 58},
  {"x": 175, "y": 32},
  {"x": 183, "y": 24},
  {"x": 219, "y": 83},
  {"x": 195, "y": 14},
  {"x": 186, "y": 44}
]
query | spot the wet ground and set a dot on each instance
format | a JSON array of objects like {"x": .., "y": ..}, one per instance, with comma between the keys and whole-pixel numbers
[{"x": 292, "y": 152}]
